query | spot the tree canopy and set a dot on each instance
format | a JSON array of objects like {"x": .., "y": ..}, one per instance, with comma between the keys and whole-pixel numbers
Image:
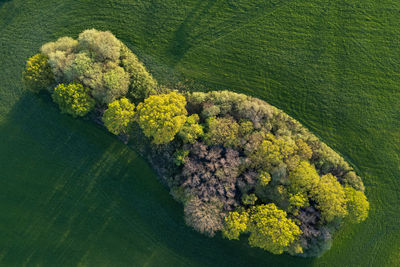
[
  {"x": 161, "y": 117},
  {"x": 270, "y": 229},
  {"x": 73, "y": 99},
  {"x": 38, "y": 75},
  {"x": 119, "y": 115}
]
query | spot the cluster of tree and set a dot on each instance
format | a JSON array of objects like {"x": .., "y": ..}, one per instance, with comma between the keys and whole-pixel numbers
[
  {"x": 98, "y": 61},
  {"x": 241, "y": 165}
]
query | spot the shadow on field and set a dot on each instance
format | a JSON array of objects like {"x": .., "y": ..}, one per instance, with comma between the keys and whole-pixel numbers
[
  {"x": 181, "y": 42},
  {"x": 81, "y": 197}
]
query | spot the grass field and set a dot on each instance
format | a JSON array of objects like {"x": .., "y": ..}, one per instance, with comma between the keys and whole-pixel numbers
[{"x": 71, "y": 194}]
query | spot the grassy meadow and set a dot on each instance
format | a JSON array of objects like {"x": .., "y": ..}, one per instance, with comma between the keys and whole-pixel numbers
[{"x": 73, "y": 195}]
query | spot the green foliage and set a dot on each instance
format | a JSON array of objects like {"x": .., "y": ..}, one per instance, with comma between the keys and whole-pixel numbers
[
  {"x": 222, "y": 131},
  {"x": 142, "y": 83},
  {"x": 73, "y": 99},
  {"x": 235, "y": 223},
  {"x": 191, "y": 130},
  {"x": 161, "y": 117},
  {"x": 271, "y": 152},
  {"x": 119, "y": 115},
  {"x": 303, "y": 150},
  {"x": 357, "y": 205},
  {"x": 245, "y": 128},
  {"x": 249, "y": 199},
  {"x": 180, "y": 156},
  {"x": 271, "y": 230},
  {"x": 100, "y": 45},
  {"x": 38, "y": 75},
  {"x": 61, "y": 54},
  {"x": 330, "y": 198},
  {"x": 115, "y": 83},
  {"x": 303, "y": 178},
  {"x": 297, "y": 201},
  {"x": 264, "y": 178}
]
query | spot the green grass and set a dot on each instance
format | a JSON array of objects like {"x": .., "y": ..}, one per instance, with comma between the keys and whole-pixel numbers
[{"x": 71, "y": 194}]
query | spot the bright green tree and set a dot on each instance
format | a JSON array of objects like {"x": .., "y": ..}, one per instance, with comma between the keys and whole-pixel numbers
[
  {"x": 235, "y": 224},
  {"x": 191, "y": 130},
  {"x": 38, "y": 75},
  {"x": 270, "y": 229},
  {"x": 73, "y": 99},
  {"x": 161, "y": 117},
  {"x": 330, "y": 198},
  {"x": 303, "y": 178},
  {"x": 222, "y": 131},
  {"x": 357, "y": 204},
  {"x": 119, "y": 115}
]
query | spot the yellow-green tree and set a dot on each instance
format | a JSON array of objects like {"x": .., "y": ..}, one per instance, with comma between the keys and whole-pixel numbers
[
  {"x": 73, "y": 99},
  {"x": 271, "y": 152},
  {"x": 249, "y": 199},
  {"x": 303, "y": 178},
  {"x": 119, "y": 115},
  {"x": 264, "y": 178},
  {"x": 357, "y": 204},
  {"x": 222, "y": 131},
  {"x": 235, "y": 224},
  {"x": 297, "y": 201},
  {"x": 270, "y": 229},
  {"x": 191, "y": 130},
  {"x": 38, "y": 75},
  {"x": 330, "y": 198},
  {"x": 162, "y": 116}
]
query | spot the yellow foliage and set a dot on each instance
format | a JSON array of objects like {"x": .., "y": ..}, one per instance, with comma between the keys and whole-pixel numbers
[
  {"x": 235, "y": 224},
  {"x": 270, "y": 229},
  {"x": 161, "y": 117},
  {"x": 357, "y": 204},
  {"x": 37, "y": 74},
  {"x": 119, "y": 115},
  {"x": 330, "y": 198},
  {"x": 264, "y": 178},
  {"x": 303, "y": 178},
  {"x": 73, "y": 99}
]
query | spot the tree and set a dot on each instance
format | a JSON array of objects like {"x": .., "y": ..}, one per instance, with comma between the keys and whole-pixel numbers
[
  {"x": 303, "y": 178},
  {"x": 191, "y": 130},
  {"x": 297, "y": 201},
  {"x": 222, "y": 131},
  {"x": 142, "y": 83},
  {"x": 108, "y": 83},
  {"x": 38, "y": 75},
  {"x": 270, "y": 229},
  {"x": 161, "y": 117},
  {"x": 330, "y": 198},
  {"x": 119, "y": 115},
  {"x": 100, "y": 45},
  {"x": 73, "y": 99},
  {"x": 204, "y": 217},
  {"x": 61, "y": 54},
  {"x": 271, "y": 152},
  {"x": 357, "y": 204},
  {"x": 235, "y": 223}
]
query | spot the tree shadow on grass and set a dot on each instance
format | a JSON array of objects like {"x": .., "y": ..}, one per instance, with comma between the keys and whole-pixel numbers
[{"x": 79, "y": 196}]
